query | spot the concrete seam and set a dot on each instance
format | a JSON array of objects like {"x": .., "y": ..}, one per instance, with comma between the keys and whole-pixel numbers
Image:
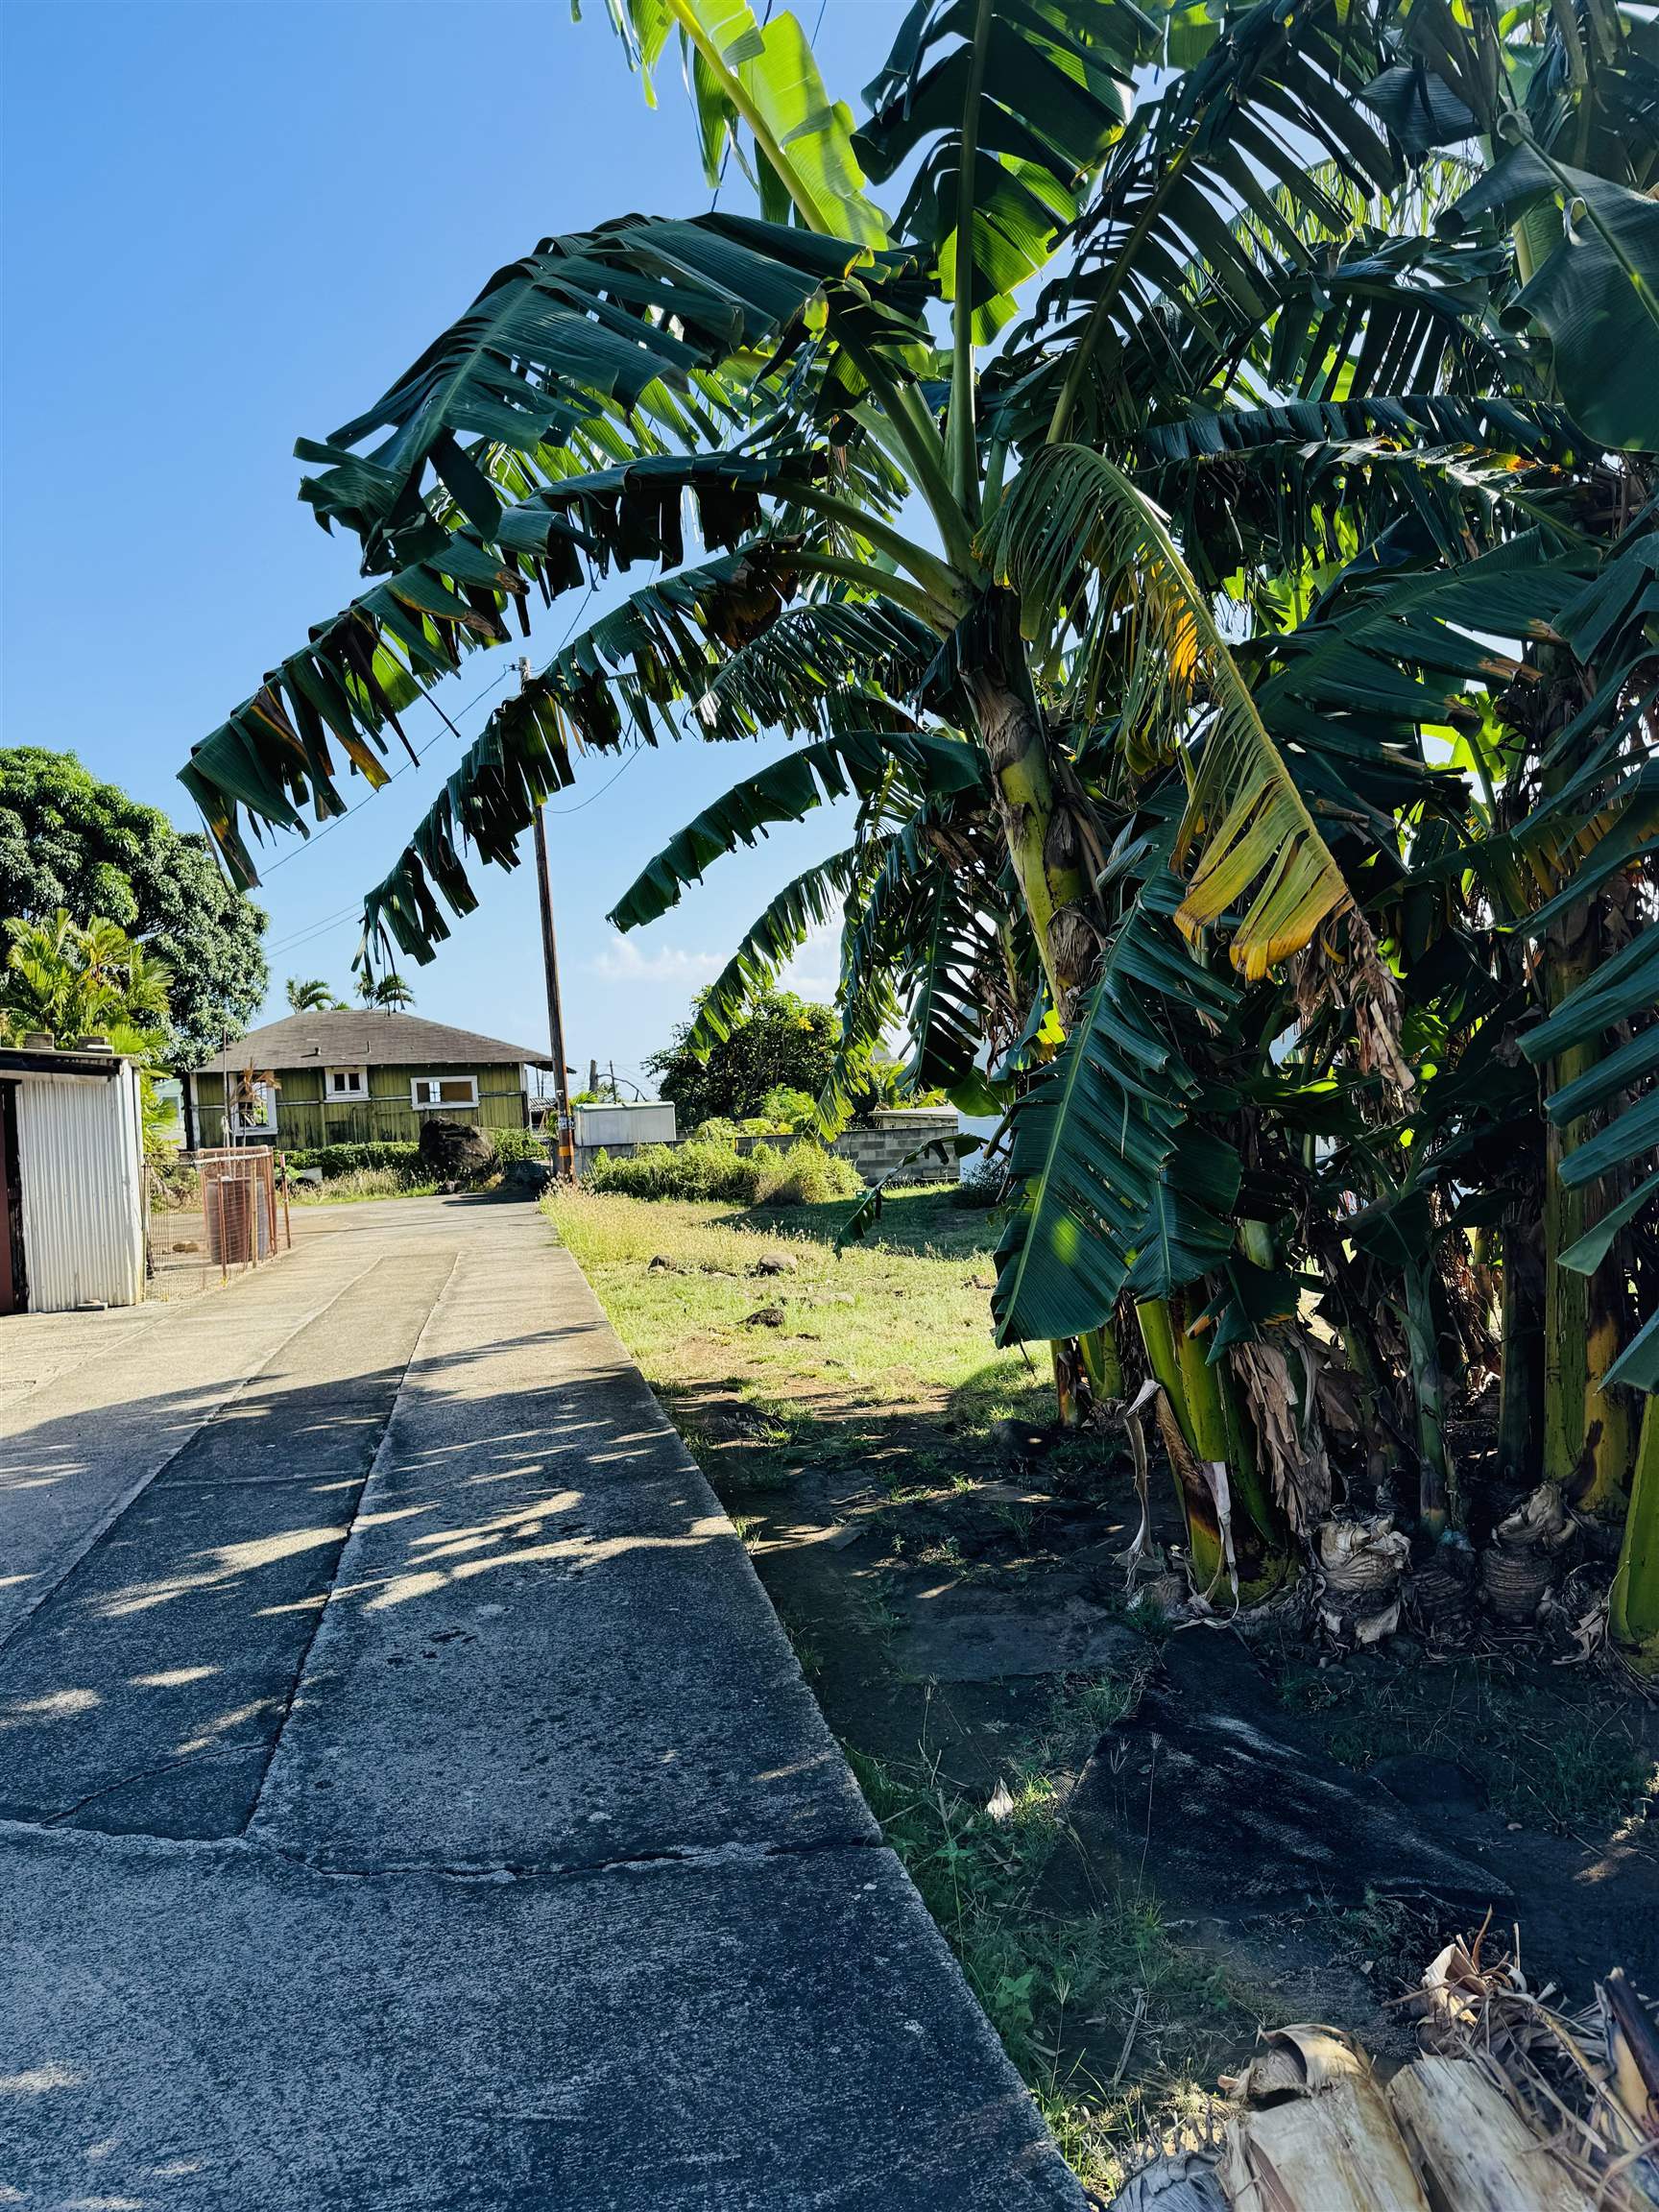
[
  {"x": 131, "y": 1496},
  {"x": 374, "y": 1469}
]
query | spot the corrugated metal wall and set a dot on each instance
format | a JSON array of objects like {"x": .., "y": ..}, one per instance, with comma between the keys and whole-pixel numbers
[{"x": 81, "y": 1154}]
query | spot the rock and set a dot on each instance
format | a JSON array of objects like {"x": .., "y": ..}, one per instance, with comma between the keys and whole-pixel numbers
[
  {"x": 1021, "y": 1438},
  {"x": 455, "y": 1151},
  {"x": 530, "y": 1175},
  {"x": 766, "y": 1317},
  {"x": 661, "y": 1264},
  {"x": 777, "y": 1264}
]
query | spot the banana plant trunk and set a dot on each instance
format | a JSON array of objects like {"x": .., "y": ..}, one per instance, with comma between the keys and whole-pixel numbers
[
  {"x": 1437, "y": 1491},
  {"x": 1041, "y": 830},
  {"x": 1521, "y": 1356},
  {"x": 1633, "y": 1612},
  {"x": 1588, "y": 1433},
  {"x": 1047, "y": 849},
  {"x": 1212, "y": 1428}
]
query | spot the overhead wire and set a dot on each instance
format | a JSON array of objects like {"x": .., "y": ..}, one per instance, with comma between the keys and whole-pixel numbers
[{"x": 338, "y": 921}]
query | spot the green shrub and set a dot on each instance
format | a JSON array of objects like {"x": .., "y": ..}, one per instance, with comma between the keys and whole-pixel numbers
[
  {"x": 980, "y": 1188},
  {"x": 805, "y": 1175},
  {"x": 719, "y": 1130},
  {"x": 785, "y": 1108},
  {"x": 519, "y": 1144},
  {"x": 701, "y": 1167},
  {"x": 348, "y": 1159},
  {"x": 361, "y": 1183}
]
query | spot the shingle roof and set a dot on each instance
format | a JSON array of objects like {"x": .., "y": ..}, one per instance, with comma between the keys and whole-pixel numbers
[{"x": 367, "y": 1037}]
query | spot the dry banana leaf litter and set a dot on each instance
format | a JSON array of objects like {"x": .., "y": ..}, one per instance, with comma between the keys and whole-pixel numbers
[{"x": 1514, "y": 2106}]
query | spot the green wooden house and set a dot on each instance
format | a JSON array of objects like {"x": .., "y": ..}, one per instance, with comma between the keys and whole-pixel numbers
[{"x": 352, "y": 1075}]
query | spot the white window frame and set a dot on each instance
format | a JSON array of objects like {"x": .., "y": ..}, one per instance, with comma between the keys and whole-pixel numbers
[
  {"x": 334, "y": 1096},
  {"x": 436, "y": 1105}
]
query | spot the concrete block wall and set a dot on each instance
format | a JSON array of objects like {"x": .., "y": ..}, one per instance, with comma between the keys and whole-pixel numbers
[{"x": 875, "y": 1146}]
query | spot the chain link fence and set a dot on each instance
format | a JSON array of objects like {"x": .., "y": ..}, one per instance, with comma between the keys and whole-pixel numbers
[{"x": 214, "y": 1214}]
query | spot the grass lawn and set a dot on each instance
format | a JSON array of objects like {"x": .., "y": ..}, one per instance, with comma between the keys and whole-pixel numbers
[
  {"x": 829, "y": 1361},
  {"x": 889, "y": 1471}
]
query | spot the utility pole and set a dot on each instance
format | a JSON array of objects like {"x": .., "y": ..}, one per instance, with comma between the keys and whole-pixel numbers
[{"x": 566, "y": 1150}]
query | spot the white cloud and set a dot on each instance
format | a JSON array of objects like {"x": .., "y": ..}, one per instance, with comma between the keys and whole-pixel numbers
[
  {"x": 623, "y": 962},
  {"x": 816, "y": 968}
]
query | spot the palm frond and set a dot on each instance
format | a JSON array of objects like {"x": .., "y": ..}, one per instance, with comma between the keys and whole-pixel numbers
[
  {"x": 1621, "y": 996},
  {"x": 1204, "y": 172},
  {"x": 363, "y": 668},
  {"x": 857, "y": 760},
  {"x": 1081, "y": 544},
  {"x": 1094, "y": 1136},
  {"x": 812, "y": 900},
  {"x": 586, "y": 325},
  {"x": 1040, "y": 88}
]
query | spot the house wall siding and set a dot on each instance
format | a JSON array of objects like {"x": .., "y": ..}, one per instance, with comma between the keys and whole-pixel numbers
[{"x": 305, "y": 1119}]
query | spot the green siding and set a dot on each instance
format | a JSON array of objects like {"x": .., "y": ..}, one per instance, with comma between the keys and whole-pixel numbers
[{"x": 305, "y": 1119}]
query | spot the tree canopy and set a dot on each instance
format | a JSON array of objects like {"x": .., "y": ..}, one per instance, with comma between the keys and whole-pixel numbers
[
  {"x": 779, "y": 1042},
  {"x": 70, "y": 841},
  {"x": 1245, "y": 671}
]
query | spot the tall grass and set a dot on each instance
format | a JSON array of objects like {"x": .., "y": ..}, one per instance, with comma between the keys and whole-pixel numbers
[
  {"x": 359, "y": 1183},
  {"x": 712, "y": 1167}
]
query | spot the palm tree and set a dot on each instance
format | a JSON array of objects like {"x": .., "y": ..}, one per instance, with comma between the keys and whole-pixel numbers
[
  {"x": 310, "y": 994},
  {"x": 388, "y": 990},
  {"x": 1126, "y": 631},
  {"x": 73, "y": 980}
]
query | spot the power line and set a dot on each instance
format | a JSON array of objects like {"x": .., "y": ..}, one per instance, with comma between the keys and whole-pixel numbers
[
  {"x": 339, "y": 819},
  {"x": 557, "y": 811},
  {"x": 315, "y": 929}
]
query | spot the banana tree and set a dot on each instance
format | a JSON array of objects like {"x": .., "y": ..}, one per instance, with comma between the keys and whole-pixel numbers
[{"x": 1040, "y": 546}]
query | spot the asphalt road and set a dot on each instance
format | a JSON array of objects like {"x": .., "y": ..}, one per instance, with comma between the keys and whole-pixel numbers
[{"x": 407, "y": 1795}]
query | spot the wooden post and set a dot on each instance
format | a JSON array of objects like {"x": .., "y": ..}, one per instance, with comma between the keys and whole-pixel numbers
[
  {"x": 288, "y": 1218},
  {"x": 566, "y": 1150}
]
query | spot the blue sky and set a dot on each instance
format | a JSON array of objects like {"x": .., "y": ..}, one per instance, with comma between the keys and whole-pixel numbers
[{"x": 230, "y": 223}]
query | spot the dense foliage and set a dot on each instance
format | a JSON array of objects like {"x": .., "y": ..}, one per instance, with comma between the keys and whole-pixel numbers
[
  {"x": 1244, "y": 676},
  {"x": 67, "y": 840},
  {"x": 76, "y": 983},
  {"x": 72, "y": 982},
  {"x": 713, "y": 1168},
  {"x": 780, "y": 1042}
]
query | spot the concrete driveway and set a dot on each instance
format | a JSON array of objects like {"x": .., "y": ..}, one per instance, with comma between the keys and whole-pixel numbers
[{"x": 407, "y": 1797}]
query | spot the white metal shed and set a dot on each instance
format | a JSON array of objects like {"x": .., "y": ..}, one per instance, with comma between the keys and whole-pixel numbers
[
  {"x": 71, "y": 1180},
  {"x": 650, "y": 1121}
]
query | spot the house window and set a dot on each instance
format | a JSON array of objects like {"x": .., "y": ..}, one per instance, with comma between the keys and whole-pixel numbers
[
  {"x": 254, "y": 1110},
  {"x": 348, "y": 1083},
  {"x": 444, "y": 1090}
]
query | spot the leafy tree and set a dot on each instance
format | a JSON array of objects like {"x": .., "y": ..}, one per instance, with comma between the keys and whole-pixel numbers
[
  {"x": 1252, "y": 645},
  {"x": 69, "y": 841},
  {"x": 75, "y": 980},
  {"x": 778, "y": 1042},
  {"x": 310, "y": 994}
]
